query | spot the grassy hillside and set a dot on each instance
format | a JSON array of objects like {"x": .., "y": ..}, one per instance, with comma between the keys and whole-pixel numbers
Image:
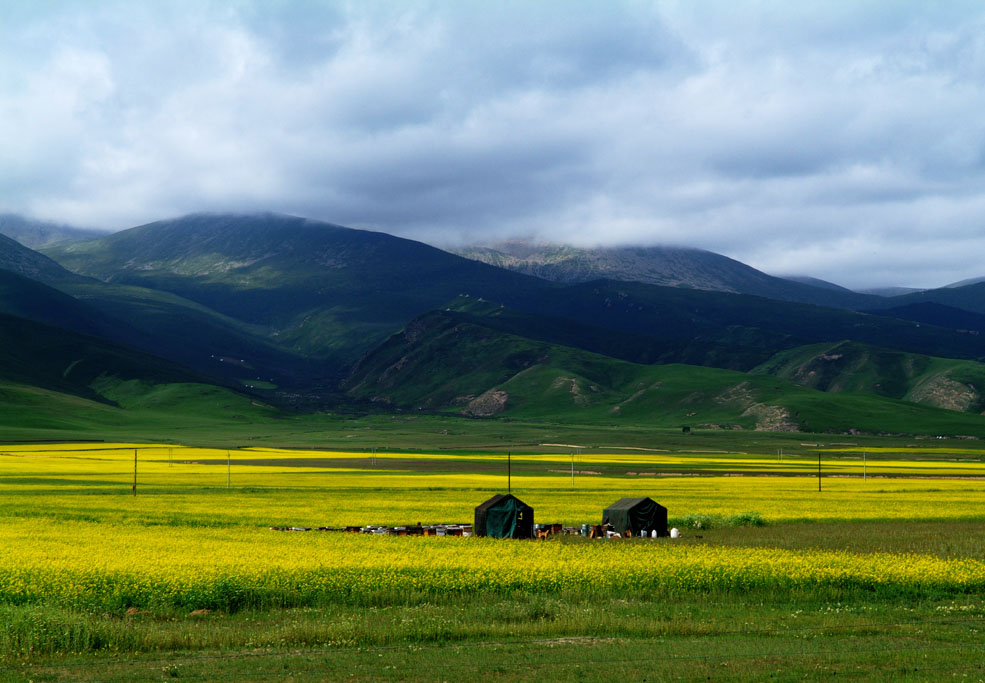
[
  {"x": 166, "y": 412},
  {"x": 711, "y": 398},
  {"x": 621, "y": 344},
  {"x": 859, "y": 368},
  {"x": 165, "y": 326},
  {"x": 27, "y": 298},
  {"x": 57, "y": 359},
  {"x": 211, "y": 343},
  {"x": 17, "y": 258},
  {"x": 30, "y": 412},
  {"x": 498, "y": 374},
  {"x": 55, "y": 381}
]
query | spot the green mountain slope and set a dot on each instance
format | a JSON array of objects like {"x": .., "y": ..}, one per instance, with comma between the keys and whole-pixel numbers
[
  {"x": 320, "y": 288},
  {"x": 708, "y": 397},
  {"x": 17, "y": 258},
  {"x": 158, "y": 412},
  {"x": 296, "y": 302},
  {"x": 853, "y": 367},
  {"x": 165, "y": 326},
  {"x": 193, "y": 335},
  {"x": 442, "y": 362},
  {"x": 52, "y": 378},
  {"x": 59, "y": 359},
  {"x": 27, "y": 298},
  {"x": 621, "y": 344}
]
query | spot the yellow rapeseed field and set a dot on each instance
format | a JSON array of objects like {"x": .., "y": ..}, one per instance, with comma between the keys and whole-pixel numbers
[
  {"x": 98, "y": 565},
  {"x": 197, "y": 533}
]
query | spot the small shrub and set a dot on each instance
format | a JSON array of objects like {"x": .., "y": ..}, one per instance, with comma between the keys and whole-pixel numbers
[{"x": 703, "y": 521}]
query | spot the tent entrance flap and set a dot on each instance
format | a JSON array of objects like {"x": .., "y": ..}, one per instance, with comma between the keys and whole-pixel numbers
[{"x": 504, "y": 520}]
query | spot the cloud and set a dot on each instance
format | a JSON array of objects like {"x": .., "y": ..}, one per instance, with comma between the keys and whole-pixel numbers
[{"x": 842, "y": 140}]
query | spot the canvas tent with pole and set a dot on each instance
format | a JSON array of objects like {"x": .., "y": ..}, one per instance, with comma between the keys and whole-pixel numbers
[
  {"x": 639, "y": 516},
  {"x": 504, "y": 516}
]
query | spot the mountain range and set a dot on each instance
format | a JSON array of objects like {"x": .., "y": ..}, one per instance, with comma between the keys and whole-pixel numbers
[
  {"x": 665, "y": 266},
  {"x": 305, "y": 315}
]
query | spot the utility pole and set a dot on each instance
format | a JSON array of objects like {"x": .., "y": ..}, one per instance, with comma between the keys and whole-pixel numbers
[
  {"x": 863, "y": 465},
  {"x": 229, "y": 468},
  {"x": 135, "y": 472},
  {"x": 819, "y": 471}
]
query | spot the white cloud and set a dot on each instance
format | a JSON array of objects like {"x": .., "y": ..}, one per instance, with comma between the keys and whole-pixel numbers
[{"x": 841, "y": 140}]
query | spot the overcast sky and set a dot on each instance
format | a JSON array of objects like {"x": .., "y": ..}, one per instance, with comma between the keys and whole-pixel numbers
[{"x": 844, "y": 140}]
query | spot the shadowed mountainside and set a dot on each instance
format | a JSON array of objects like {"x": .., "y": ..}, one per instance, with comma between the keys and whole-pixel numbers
[
  {"x": 318, "y": 288},
  {"x": 17, "y": 258}
]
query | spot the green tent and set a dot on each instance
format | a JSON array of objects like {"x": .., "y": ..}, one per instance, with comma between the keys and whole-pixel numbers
[
  {"x": 639, "y": 516},
  {"x": 504, "y": 516}
]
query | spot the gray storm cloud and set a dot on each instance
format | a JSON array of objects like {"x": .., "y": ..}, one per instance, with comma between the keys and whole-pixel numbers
[{"x": 840, "y": 140}]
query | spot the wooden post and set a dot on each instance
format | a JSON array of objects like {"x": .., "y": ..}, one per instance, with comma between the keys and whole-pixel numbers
[{"x": 134, "y": 472}]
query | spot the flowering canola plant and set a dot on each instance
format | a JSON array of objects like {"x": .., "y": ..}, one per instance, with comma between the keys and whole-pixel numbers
[
  {"x": 95, "y": 565},
  {"x": 277, "y": 487},
  {"x": 197, "y": 535}
]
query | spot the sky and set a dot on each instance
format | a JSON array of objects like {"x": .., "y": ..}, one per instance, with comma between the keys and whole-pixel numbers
[{"x": 841, "y": 140}]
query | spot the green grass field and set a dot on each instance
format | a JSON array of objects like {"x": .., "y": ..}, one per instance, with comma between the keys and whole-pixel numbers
[{"x": 880, "y": 576}]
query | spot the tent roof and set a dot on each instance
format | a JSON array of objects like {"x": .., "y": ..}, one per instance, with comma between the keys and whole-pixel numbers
[
  {"x": 497, "y": 499},
  {"x": 629, "y": 503}
]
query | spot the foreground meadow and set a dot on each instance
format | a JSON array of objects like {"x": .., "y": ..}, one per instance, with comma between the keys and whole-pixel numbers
[{"x": 769, "y": 572}]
